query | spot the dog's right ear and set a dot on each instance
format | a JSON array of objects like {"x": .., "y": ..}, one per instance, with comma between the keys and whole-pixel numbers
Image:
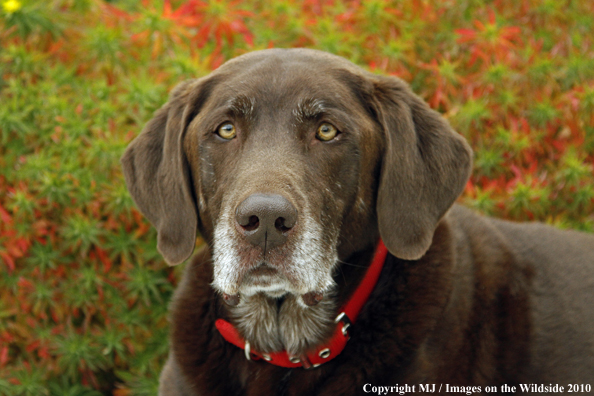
[{"x": 158, "y": 176}]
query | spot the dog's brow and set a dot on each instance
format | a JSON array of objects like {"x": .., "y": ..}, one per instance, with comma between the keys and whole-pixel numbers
[
  {"x": 309, "y": 108},
  {"x": 242, "y": 106}
]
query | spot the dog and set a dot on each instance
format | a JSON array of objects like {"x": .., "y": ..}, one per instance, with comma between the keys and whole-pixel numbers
[{"x": 301, "y": 171}]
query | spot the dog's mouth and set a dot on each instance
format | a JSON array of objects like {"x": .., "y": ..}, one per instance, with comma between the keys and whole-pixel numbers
[
  {"x": 262, "y": 275},
  {"x": 263, "y": 270},
  {"x": 265, "y": 278}
]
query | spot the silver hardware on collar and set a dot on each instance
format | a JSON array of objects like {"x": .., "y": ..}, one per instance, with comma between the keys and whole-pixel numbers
[
  {"x": 266, "y": 357},
  {"x": 247, "y": 351},
  {"x": 294, "y": 359},
  {"x": 324, "y": 353},
  {"x": 345, "y": 329},
  {"x": 342, "y": 317}
]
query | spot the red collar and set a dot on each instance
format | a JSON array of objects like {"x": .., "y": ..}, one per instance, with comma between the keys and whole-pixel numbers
[{"x": 348, "y": 315}]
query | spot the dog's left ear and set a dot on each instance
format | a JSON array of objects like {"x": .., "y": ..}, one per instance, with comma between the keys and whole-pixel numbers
[{"x": 424, "y": 169}]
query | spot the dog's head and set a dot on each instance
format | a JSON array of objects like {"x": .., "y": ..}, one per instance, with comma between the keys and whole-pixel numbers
[{"x": 289, "y": 161}]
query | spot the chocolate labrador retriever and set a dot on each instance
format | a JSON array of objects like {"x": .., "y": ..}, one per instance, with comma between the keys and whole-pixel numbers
[{"x": 336, "y": 262}]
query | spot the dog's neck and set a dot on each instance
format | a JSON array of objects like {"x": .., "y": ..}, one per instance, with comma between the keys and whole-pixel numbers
[{"x": 272, "y": 324}]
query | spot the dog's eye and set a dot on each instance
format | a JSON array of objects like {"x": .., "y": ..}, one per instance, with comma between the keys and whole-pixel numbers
[
  {"x": 326, "y": 132},
  {"x": 227, "y": 131}
]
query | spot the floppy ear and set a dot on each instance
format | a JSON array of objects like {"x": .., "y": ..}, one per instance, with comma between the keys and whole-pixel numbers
[
  {"x": 158, "y": 176},
  {"x": 424, "y": 169}
]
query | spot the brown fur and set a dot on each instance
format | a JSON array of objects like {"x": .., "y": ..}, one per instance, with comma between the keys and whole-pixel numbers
[{"x": 462, "y": 299}]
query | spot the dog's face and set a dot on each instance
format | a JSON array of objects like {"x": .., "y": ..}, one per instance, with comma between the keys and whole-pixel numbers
[
  {"x": 289, "y": 161},
  {"x": 281, "y": 158}
]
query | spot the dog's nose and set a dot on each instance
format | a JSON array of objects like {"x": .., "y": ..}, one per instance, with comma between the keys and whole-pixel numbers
[{"x": 264, "y": 219}]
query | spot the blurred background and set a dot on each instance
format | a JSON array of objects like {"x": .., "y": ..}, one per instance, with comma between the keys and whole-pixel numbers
[{"x": 83, "y": 290}]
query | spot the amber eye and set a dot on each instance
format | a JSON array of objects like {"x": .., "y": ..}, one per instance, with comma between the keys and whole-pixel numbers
[
  {"x": 227, "y": 131},
  {"x": 326, "y": 132}
]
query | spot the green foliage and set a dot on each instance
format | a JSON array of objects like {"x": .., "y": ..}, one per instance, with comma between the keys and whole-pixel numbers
[{"x": 83, "y": 291}]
